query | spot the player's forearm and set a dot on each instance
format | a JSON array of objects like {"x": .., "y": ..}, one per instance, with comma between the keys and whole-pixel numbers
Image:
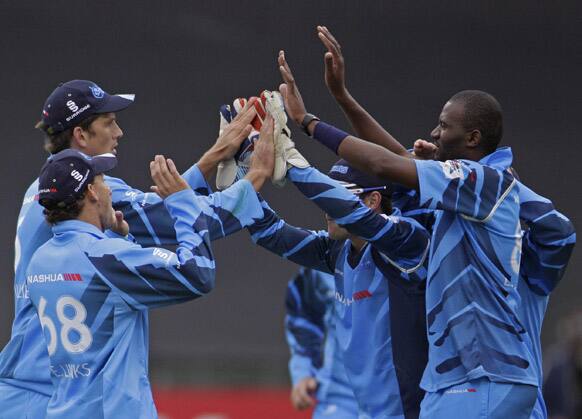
[
  {"x": 366, "y": 127},
  {"x": 304, "y": 247},
  {"x": 209, "y": 161},
  {"x": 257, "y": 178},
  {"x": 365, "y": 156}
]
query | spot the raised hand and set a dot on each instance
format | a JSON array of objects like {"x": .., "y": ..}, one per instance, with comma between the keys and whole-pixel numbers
[
  {"x": 291, "y": 96},
  {"x": 263, "y": 158},
  {"x": 233, "y": 134},
  {"x": 166, "y": 177},
  {"x": 335, "y": 79}
]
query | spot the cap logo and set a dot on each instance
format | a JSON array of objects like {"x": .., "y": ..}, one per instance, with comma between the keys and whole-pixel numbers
[
  {"x": 98, "y": 93},
  {"x": 78, "y": 176},
  {"x": 78, "y": 112},
  {"x": 72, "y": 106}
]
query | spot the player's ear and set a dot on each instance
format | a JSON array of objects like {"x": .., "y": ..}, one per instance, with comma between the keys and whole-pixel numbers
[
  {"x": 91, "y": 193},
  {"x": 474, "y": 138},
  {"x": 373, "y": 200},
  {"x": 79, "y": 138}
]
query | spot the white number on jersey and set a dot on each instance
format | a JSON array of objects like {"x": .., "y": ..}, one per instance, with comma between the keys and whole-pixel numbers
[{"x": 68, "y": 324}]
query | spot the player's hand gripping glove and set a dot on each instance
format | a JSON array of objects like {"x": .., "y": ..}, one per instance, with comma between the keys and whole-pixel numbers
[
  {"x": 236, "y": 167},
  {"x": 286, "y": 155}
]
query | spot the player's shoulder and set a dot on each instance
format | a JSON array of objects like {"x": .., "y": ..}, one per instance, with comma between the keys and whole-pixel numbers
[
  {"x": 397, "y": 217},
  {"x": 108, "y": 245}
]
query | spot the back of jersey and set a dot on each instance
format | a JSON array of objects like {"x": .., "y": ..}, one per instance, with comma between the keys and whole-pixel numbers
[
  {"x": 89, "y": 331},
  {"x": 25, "y": 354}
]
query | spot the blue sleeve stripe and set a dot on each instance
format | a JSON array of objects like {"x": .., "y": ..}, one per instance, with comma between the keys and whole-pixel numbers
[
  {"x": 204, "y": 262},
  {"x": 300, "y": 245},
  {"x": 387, "y": 227},
  {"x": 354, "y": 216},
  {"x": 147, "y": 223},
  {"x": 269, "y": 231},
  {"x": 304, "y": 324},
  {"x": 295, "y": 294}
]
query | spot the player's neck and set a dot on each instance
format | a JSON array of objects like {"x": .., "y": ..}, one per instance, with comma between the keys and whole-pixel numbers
[
  {"x": 90, "y": 214},
  {"x": 357, "y": 243}
]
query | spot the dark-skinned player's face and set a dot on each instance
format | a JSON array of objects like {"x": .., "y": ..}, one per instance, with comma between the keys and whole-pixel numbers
[{"x": 450, "y": 134}]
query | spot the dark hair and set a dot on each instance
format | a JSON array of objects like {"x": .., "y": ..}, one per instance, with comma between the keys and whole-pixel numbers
[
  {"x": 482, "y": 112},
  {"x": 385, "y": 203},
  {"x": 63, "y": 211},
  {"x": 53, "y": 143}
]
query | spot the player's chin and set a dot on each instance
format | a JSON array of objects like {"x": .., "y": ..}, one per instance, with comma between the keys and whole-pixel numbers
[{"x": 335, "y": 231}]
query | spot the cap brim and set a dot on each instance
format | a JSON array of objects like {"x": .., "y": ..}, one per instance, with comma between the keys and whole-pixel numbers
[
  {"x": 116, "y": 103},
  {"x": 103, "y": 163}
]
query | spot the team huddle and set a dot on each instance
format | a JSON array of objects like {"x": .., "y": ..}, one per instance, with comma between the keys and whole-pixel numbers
[{"x": 424, "y": 297}]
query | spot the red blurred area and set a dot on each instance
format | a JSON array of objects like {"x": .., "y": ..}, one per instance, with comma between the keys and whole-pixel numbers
[{"x": 189, "y": 403}]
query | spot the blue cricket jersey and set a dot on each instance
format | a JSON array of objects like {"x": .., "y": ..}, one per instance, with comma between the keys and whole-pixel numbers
[
  {"x": 310, "y": 329},
  {"x": 374, "y": 356},
  {"x": 24, "y": 360},
  {"x": 548, "y": 241},
  {"x": 471, "y": 300},
  {"x": 92, "y": 294}
]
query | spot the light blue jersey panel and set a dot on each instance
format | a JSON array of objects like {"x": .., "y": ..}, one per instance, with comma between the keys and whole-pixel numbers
[{"x": 473, "y": 326}]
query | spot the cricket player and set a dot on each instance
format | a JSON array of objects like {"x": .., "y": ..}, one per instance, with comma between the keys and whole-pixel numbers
[
  {"x": 377, "y": 259},
  {"x": 92, "y": 292},
  {"x": 479, "y": 356},
  {"x": 316, "y": 365},
  {"x": 548, "y": 237},
  {"x": 82, "y": 116}
]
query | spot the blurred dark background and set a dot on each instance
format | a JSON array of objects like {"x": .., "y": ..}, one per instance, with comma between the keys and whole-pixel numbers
[{"x": 184, "y": 58}]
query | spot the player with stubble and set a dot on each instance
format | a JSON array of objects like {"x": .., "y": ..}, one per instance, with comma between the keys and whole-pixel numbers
[{"x": 479, "y": 363}]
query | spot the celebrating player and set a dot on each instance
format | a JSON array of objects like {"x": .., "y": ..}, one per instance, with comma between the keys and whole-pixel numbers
[
  {"x": 377, "y": 259},
  {"x": 548, "y": 239},
  {"x": 81, "y": 116},
  {"x": 92, "y": 292},
  {"x": 316, "y": 365},
  {"x": 476, "y": 344}
]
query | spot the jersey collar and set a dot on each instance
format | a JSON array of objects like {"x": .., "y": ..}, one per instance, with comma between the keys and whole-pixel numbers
[
  {"x": 500, "y": 159},
  {"x": 77, "y": 226}
]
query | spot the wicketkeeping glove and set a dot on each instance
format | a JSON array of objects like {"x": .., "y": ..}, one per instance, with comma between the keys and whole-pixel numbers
[{"x": 231, "y": 170}]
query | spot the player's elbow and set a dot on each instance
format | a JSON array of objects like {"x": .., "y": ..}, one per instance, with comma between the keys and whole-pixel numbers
[{"x": 201, "y": 278}]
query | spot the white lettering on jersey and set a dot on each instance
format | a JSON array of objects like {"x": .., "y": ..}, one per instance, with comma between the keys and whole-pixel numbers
[
  {"x": 343, "y": 299},
  {"x": 40, "y": 278},
  {"x": 71, "y": 371},
  {"x": 20, "y": 291},
  {"x": 161, "y": 254}
]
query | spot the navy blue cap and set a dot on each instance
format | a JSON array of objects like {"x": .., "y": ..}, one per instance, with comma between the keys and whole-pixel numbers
[
  {"x": 64, "y": 177},
  {"x": 359, "y": 182},
  {"x": 76, "y": 100}
]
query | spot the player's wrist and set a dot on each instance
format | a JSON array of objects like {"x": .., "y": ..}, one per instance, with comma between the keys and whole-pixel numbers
[{"x": 257, "y": 177}]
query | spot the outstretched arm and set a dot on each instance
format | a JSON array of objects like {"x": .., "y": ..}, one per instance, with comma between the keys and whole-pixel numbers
[
  {"x": 399, "y": 238},
  {"x": 362, "y": 122},
  {"x": 362, "y": 155}
]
